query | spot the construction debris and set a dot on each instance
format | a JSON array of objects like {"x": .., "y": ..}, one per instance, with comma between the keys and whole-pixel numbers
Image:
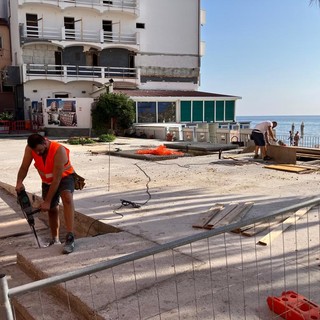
[
  {"x": 220, "y": 215},
  {"x": 293, "y": 168},
  {"x": 277, "y": 231}
]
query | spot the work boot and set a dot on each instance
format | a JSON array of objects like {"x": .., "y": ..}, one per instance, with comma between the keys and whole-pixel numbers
[
  {"x": 69, "y": 244},
  {"x": 256, "y": 156}
]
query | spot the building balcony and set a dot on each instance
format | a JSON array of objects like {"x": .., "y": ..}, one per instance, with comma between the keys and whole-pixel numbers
[
  {"x": 35, "y": 34},
  {"x": 69, "y": 73},
  {"x": 128, "y": 6}
]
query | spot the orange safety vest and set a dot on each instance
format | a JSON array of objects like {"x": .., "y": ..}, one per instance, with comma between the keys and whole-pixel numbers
[{"x": 46, "y": 169}]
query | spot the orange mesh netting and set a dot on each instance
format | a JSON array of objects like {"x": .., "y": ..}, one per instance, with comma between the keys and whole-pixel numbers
[{"x": 160, "y": 151}]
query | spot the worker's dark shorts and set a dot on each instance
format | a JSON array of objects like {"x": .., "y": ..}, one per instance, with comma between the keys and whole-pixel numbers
[
  {"x": 66, "y": 183},
  {"x": 258, "y": 138}
]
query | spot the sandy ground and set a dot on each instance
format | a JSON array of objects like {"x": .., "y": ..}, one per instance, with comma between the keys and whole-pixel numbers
[
  {"x": 117, "y": 176},
  {"x": 174, "y": 191}
]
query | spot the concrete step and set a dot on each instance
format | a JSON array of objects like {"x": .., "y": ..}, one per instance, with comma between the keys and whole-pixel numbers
[
  {"x": 37, "y": 305},
  {"x": 15, "y": 234},
  {"x": 101, "y": 293}
]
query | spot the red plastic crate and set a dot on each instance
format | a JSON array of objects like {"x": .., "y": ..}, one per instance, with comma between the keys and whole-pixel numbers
[{"x": 293, "y": 306}]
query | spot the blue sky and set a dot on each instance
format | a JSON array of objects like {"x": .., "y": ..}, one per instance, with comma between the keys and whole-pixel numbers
[{"x": 266, "y": 51}]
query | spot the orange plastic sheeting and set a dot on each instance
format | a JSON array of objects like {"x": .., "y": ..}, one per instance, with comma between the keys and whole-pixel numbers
[{"x": 160, "y": 151}]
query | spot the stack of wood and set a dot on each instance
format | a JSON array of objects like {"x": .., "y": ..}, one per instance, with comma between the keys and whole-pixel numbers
[
  {"x": 221, "y": 215},
  {"x": 307, "y": 153}
]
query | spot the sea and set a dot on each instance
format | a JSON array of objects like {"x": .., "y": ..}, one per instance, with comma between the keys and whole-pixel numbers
[{"x": 287, "y": 123}]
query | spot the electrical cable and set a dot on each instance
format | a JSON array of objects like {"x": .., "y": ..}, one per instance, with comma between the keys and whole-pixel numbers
[{"x": 125, "y": 203}]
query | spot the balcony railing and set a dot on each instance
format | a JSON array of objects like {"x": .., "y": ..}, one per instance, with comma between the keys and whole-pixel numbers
[
  {"x": 31, "y": 33},
  {"x": 123, "y": 5},
  {"x": 71, "y": 72}
]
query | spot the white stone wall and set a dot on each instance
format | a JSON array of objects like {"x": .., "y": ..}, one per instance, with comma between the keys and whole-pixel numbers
[
  {"x": 171, "y": 27},
  {"x": 37, "y": 89}
]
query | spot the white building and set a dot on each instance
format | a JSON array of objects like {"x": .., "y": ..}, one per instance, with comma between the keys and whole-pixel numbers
[{"x": 68, "y": 49}]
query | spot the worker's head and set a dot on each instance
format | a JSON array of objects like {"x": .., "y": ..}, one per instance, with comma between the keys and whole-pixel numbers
[
  {"x": 37, "y": 143},
  {"x": 274, "y": 124}
]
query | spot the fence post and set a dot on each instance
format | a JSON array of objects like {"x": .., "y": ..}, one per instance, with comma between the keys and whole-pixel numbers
[{"x": 5, "y": 307}]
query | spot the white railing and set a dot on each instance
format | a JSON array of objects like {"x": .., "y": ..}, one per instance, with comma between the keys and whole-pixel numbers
[
  {"x": 123, "y": 5},
  {"x": 31, "y": 33},
  {"x": 39, "y": 71}
]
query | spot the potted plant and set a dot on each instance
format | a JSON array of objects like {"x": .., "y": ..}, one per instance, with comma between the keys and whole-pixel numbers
[{"x": 5, "y": 117}]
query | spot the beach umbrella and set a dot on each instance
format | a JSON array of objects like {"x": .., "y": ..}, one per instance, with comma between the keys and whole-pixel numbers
[{"x": 302, "y": 129}]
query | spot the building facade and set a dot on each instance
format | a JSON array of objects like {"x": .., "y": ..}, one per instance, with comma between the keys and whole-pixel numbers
[
  {"x": 7, "y": 103},
  {"x": 67, "y": 49}
]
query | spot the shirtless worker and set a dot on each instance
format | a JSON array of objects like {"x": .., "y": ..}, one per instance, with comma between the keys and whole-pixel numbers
[
  {"x": 52, "y": 161},
  {"x": 260, "y": 135}
]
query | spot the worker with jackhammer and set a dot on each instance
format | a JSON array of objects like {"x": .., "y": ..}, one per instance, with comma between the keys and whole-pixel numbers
[{"x": 52, "y": 161}]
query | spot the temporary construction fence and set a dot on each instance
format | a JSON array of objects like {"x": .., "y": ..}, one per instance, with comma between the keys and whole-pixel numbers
[{"x": 214, "y": 274}]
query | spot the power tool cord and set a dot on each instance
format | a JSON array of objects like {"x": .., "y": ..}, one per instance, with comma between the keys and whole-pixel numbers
[{"x": 126, "y": 203}]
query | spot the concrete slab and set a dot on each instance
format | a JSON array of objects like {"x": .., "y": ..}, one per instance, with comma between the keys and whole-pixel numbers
[{"x": 93, "y": 250}]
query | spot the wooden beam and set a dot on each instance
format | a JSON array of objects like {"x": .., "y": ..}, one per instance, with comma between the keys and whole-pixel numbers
[
  {"x": 277, "y": 231},
  {"x": 207, "y": 216},
  {"x": 236, "y": 214}
]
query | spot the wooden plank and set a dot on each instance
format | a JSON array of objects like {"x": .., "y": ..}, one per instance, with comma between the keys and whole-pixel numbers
[
  {"x": 312, "y": 167},
  {"x": 277, "y": 231},
  {"x": 207, "y": 216},
  {"x": 237, "y": 213},
  {"x": 218, "y": 217},
  {"x": 255, "y": 229},
  {"x": 283, "y": 167},
  {"x": 308, "y": 155},
  {"x": 282, "y": 154},
  {"x": 315, "y": 151}
]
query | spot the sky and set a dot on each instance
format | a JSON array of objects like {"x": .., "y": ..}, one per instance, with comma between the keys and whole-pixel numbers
[{"x": 265, "y": 51}]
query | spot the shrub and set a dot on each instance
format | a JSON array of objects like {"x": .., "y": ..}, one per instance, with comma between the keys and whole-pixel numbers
[
  {"x": 6, "y": 116},
  {"x": 80, "y": 140},
  {"x": 107, "y": 137}
]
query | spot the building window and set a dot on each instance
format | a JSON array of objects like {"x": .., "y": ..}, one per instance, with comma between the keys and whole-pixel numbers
[
  {"x": 32, "y": 25},
  {"x": 166, "y": 112},
  {"x": 197, "y": 111},
  {"x": 147, "y": 112},
  {"x": 107, "y": 2},
  {"x": 185, "y": 111},
  {"x": 209, "y": 111},
  {"x": 230, "y": 110},
  {"x": 220, "y": 111},
  {"x": 69, "y": 26},
  {"x": 140, "y": 25},
  {"x": 107, "y": 30}
]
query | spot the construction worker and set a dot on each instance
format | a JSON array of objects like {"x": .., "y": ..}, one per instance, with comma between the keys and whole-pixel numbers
[
  {"x": 52, "y": 161},
  {"x": 260, "y": 135}
]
